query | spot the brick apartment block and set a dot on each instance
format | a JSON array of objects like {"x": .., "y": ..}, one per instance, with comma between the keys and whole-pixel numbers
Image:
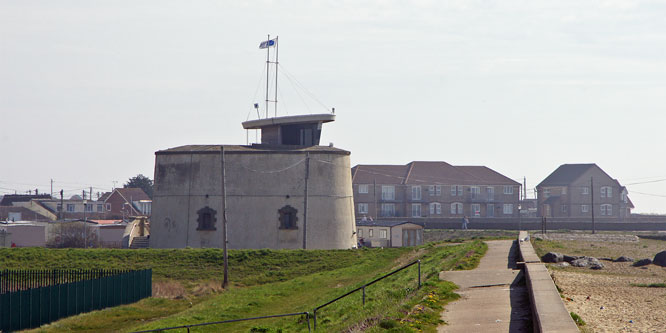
[{"x": 433, "y": 189}]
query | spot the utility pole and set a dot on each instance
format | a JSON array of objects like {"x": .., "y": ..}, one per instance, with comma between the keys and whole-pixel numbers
[
  {"x": 90, "y": 193},
  {"x": 524, "y": 188},
  {"x": 592, "y": 202},
  {"x": 62, "y": 204},
  {"x": 85, "y": 224},
  {"x": 51, "y": 187},
  {"x": 225, "y": 282},
  {"x": 305, "y": 200}
]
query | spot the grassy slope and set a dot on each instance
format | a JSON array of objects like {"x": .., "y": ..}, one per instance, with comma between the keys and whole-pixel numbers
[
  {"x": 250, "y": 267},
  {"x": 265, "y": 282}
]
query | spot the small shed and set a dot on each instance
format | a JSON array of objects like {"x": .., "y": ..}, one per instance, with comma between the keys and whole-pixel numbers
[{"x": 389, "y": 233}]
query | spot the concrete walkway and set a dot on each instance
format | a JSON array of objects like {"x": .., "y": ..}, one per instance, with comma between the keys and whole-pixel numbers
[{"x": 493, "y": 296}]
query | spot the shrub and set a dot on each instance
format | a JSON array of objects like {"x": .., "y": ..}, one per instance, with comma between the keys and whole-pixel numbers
[{"x": 577, "y": 319}]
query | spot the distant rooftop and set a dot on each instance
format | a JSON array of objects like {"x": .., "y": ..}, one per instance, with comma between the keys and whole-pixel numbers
[
  {"x": 254, "y": 149},
  {"x": 428, "y": 173},
  {"x": 9, "y": 199}
]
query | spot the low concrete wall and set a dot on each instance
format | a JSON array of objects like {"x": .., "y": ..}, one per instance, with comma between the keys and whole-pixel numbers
[
  {"x": 548, "y": 311},
  {"x": 535, "y": 224}
]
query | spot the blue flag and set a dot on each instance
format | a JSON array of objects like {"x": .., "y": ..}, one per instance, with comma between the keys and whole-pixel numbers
[{"x": 266, "y": 44}]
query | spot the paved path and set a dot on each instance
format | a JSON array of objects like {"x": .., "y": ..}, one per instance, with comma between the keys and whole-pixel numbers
[{"x": 493, "y": 296}]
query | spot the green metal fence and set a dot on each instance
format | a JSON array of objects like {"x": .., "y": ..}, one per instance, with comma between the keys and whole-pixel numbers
[{"x": 31, "y": 308}]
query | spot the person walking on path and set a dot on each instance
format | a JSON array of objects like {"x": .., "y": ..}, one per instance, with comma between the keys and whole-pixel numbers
[{"x": 464, "y": 222}]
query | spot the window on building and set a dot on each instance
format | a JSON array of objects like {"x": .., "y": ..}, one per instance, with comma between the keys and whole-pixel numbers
[
  {"x": 431, "y": 190},
  {"x": 416, "y": 210},
  {"x": 388, "y": 192},
  {"x": 564, "y": 208},
  {"x": 388, "y": 210},
  {"x": 606, "y": 192},
  {"x": 508, "y": 209},
  {"x": 206, "y": 219},
  {"x": 383, "y": 234},
  {"x": 438, "y": 190},
  {"x": 456, "y": 190},
  {"x": 360, "y": 233},
  {"x": 108, "y": 207},
  {"x": 370, "y": 233},
  {"x": 564, "y": 190},
  {"x": 363, "y": 188},
  {"x": 70, "y": 207},
  {"x": 89, "y": 207},
  {"x": 456, "y": 208},
  {"x": 59, "y": 208},
  {"x": 546, "y": 192},
  {"x": 475, "y": 190},
  {"x": 490, "y": 192},
  {"x": 476, "y": 209},
  {"x": 607, "y": 210},
  {"x": 416, "y": 192},
  {"x": 584, "y": 208},
  {"x": 287, "y": 218},
  {"x": 508, "y": 189},
  {"x": 363, "y": 208},
  {"x": 585, "y": 190},
  {"x": 100, "y": 208},
  {"x": 435, "y": 208}
]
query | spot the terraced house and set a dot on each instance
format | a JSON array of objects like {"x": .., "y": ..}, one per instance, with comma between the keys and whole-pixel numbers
[
  {"x": 433, "y": 190},
  {"x": 576, "y": 190}
]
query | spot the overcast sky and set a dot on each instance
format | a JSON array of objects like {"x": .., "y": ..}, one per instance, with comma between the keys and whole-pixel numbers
[{"x": 89, "y": 90}]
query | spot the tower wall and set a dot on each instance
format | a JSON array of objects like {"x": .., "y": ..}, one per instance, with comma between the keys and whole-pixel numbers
[{"x": 258, "y": 185}]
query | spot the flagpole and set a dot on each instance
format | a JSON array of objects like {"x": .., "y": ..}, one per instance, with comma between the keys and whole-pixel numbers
[
  {"x": 276, "y": 73},
  {"x": 268, "y": 59}
]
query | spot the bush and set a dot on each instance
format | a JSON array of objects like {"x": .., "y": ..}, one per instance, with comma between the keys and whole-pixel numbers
[{"x": 577, "y": 319}]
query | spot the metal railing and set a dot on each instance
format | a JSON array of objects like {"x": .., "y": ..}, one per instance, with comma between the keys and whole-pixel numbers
[
  {"x": 23, "y": 279},
  {"x": 362, "y": 288},
  {"x": 32, "y": 298},
  {"x": 307, "y": 317}
]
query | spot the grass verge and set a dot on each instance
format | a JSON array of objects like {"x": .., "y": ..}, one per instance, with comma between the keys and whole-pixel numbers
[{"x": 269, "y": 282}]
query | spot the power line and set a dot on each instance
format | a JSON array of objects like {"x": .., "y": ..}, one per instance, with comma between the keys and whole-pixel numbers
[
  {"x": 650, "y": 194},
  {"x": 647, "y": 182}
]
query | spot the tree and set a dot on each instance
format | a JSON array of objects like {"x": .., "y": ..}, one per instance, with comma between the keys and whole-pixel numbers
[
  {"x": 142, "y": 182},
  {"x": 73, "y": 234}
]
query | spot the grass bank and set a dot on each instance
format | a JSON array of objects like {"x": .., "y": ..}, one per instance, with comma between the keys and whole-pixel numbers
[{"x": 267, "y": 282}]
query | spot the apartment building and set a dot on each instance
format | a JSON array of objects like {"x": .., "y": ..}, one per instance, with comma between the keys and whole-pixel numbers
[
  {"x": 576, "y": 190},
  {"x": 433, "y": 190}
]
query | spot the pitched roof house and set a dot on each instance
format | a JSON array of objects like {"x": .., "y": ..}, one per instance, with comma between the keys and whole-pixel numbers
[
  {"x": 576, "y": 190},
  {"x": 433, "y": 189},
  {"x": 127, "y": 202}
]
